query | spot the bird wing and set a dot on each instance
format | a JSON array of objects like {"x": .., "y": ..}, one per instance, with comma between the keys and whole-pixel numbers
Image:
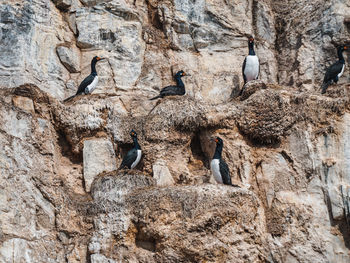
[
  {"x": 129, "y": 158},
  {"x": 86, "y": 82},
  {"x": 243, "y": 66},
  {"x": 333, "y": 71},
  {"x": 171, "y": 90},
  {"x": 225, "y": 172}
]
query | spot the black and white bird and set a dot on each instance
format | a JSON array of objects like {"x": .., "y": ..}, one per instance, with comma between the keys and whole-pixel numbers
[
  {"x": 218, "y": 166},
  {"x": 335, "y": 71},
  {"x": 88, "y": 85},
  {"x": 133, "y": 157},
  {"x": 251, "y": 66},
  {"x": 179, "y": 89}
]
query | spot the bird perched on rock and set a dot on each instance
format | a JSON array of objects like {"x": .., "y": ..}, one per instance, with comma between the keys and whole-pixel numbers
[
  {"x": 133, "y": 157},
  {"x": 179, "y": 89},
  {"x": 218, "y": 166},
  {"x": 335, "y": 71},
  {"x": 251, "y": 66},
  {"x": 88, "y": 85}
]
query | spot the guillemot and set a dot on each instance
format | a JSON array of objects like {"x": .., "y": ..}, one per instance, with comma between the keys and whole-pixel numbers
[
  {"x": 88, "y": 85},
  {"x": 179, "y": 89},
  {"x": 335, "y": 71}
]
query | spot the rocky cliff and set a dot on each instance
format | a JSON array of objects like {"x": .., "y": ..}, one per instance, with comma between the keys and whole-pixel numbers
[{"x": 62, "y": 198}]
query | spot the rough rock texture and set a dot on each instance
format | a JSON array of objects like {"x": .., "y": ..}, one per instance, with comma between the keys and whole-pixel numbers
[
  {"x": 287, "y": 146},
  {"x": 70, "y": 58},
  {"x": 99, "y": 157}
]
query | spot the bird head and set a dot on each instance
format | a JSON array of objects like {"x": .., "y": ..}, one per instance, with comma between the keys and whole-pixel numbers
[
  {"x": 180, "y": 74},
  {"x": 97, "y": 58},
  {"x": 218, "y": 140},
  {"x": 133, "y": 133},
  {"x": 251, "y": 40}
]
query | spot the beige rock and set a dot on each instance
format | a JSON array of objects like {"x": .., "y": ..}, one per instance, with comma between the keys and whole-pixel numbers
[
  {"x": 285, "y": 141},
  {"x": 162, "y": 174},
  {"x": 70, "y": 58},
  {"x": 63, "y": 4},
  {"x": 24, "y": 103},
  {"x": 99, "y": 157}
]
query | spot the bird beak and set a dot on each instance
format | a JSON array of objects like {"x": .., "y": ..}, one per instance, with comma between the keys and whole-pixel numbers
[{"x": 213, "y": 139}]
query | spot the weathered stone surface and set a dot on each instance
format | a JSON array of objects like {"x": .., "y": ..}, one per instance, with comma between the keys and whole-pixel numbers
[
  {"x": 24, "y": 103},
  {"x": 70, "y": 58},
  {"x": 99, "y": 157},
  {"x": 147, "y": 237},
  {"x": 98, "y": 258},
  {"x": 63, "y": 4},
  {"x": 285, "y": 144},
  {"x": 162, "y": 174},
  {"x": 25, "y": 27}
]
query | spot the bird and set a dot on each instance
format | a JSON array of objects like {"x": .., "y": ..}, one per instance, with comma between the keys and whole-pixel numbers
[
  {"x": 88, "y": 85},
  {"x": 179, "y": 89},
  {"x": 218, "y": 166},
  {"x": 334, "y": 72},
  {"x": 251, "y": 66},
  {"x": 133, "y": 157}
]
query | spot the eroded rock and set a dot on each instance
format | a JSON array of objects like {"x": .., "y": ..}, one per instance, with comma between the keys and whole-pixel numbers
[
  {"x": 99, "y": 157},
  {"x": 70, "y": 58}
]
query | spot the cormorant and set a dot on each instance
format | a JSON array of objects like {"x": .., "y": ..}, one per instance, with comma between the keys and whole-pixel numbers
[
  {"x": 218, "y": 166},
  {"x": 179, "y": 89},
  {"x": 90, "y": 82},
  {"x": 133, "y": 157},
  {"x": 335, "y": 71},
  {"x": 251, "y": 66}
]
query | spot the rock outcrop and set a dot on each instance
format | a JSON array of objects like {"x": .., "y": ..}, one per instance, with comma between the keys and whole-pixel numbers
[{"x": 62, "y": 198}]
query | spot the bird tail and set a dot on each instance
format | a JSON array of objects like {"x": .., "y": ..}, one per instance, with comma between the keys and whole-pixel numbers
[
  {"x": 69, "y": 98},
  {"x": 157, "y": 97},
  {"x": 325, "y": 86}
]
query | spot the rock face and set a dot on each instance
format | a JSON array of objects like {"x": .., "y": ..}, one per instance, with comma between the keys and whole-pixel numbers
[
  {"x": 99, "y": 157},
  {"x": 61, "y": 197}
]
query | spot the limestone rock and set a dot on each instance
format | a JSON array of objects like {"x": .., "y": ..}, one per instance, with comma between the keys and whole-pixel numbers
[
  {"x": 189, "y": 203},
  {"x": 99, "y": 157},
  {"x": 98, "y": 258},
  {"x": 24, "y": 103},
  {"x": 287, "y": 143},
  {"x": 162, "y": 174},
  {"x": 23, "y": 59},
  {"x": 70, "y": 58},
  {"x": 63, "y": 4}
]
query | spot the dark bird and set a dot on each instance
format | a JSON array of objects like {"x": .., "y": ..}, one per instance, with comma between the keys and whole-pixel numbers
[
  {"x": 179, "y": 89},
  {"x": 218, "y": 166},
  {"x": 251, "y": 66},
  {"x": 133, "y": 157},
  {"x": 335, "y": 71},
  {"x": 88, "y": 85}
]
